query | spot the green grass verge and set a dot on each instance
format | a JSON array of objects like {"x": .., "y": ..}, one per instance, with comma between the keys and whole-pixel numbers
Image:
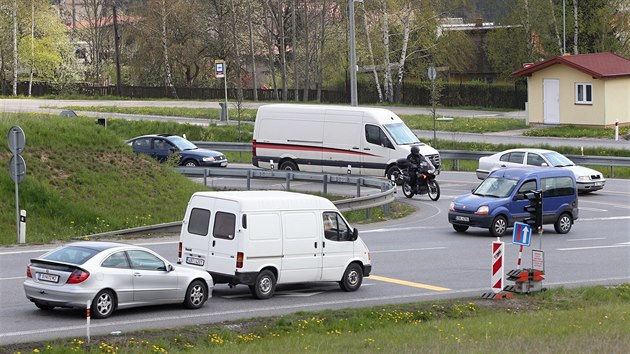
[
  {"x": 582, "y": 320},
  {"x": 571, "y": 131},
  {"x": 205, "y": 113}
]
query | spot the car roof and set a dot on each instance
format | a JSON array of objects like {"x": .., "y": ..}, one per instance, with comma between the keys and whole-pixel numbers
[
  {"x": 98, "y": 245},
  {"x": 536, "y": 150},
  {"x": 155, "y": 136},
  {"x": 519, "y": 173}
]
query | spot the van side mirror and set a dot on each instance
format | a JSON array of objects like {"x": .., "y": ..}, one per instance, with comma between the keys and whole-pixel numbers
[{"x": 355, "y": 234}]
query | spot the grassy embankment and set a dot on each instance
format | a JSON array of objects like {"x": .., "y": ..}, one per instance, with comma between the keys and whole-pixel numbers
[{"x": 584, "y": 320}]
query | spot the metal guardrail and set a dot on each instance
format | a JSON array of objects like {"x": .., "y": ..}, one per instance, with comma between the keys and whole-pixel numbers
[{"x": 382, "y": 198}]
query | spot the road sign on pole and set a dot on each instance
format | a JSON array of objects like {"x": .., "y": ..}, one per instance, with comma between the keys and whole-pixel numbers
[
  {"x": 17, "y": 168},
  {"x": 522, "y": 234},
  {"x": 219, "y": 68},
  {"x": 16, "y": 139}
]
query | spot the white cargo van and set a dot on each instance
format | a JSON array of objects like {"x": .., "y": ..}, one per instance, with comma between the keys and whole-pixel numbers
[
  {"x": 329, "y": 139},
  {"x": 264, "y": 238}
]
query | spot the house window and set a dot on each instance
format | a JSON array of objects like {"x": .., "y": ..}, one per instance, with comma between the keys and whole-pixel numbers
[{"x": 583, "y": 93}]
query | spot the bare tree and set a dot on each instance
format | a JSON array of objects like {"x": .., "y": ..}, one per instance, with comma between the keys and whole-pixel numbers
[
  {"x": 406, "y": 21},
  {"x": 294, "y": 47},
  {"x": 322, "y": 42},
  {"x": 575, "y": 27},
  {"x": 555, "y": 27},
  {"x": 15, "y": 49},
  {"x": 389, "y": 92},
  {"x": 251, "y": 50},
  {"x": 237, "y": 54},
  {"x": 167, "y": 66},
  {"x": 371, "y": 55},
  {"x": 307, "y": 53},
  {"x": 32, "y": 64},
  {"x": 96, "y": 35}
]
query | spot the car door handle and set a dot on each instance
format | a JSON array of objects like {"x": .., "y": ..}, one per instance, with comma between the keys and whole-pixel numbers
[
  {"x": 214, "y": 242},
  {"x": 136, "y": 274},
  {"x": 366, "y": 149},
  {"x": 355, "y": 148},
  {"x": 315, "y": 245}
]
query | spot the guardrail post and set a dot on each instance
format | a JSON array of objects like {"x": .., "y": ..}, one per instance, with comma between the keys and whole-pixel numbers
[
  {"x": 359, "y": 180},
  {"x": 205, "y": 177},
  {"x": 612, "y": 171},
  {"x": 325, "y": 184},
  {"x": 456, "y": 165},
  {"x": 384, "y": 188},
  {"x": 249, "y": 180},
  {"x": 368, "y": 213},
  {"x": 289, "y": 175}
]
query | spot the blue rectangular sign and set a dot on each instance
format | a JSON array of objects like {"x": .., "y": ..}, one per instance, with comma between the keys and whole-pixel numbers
[{"x": 522, "y": 234}]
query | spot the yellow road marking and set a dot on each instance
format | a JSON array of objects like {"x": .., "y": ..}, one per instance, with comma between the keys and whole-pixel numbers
[{"x": 408, "y": 283}]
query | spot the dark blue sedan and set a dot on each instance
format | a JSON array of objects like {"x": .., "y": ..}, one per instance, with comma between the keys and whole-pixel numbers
[{"x": 162, "y": 146}]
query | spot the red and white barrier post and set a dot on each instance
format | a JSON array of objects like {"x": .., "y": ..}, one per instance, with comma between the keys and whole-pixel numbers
[
  {"x": 497, "y": 266},
  {"x": 87, "y": 316}
]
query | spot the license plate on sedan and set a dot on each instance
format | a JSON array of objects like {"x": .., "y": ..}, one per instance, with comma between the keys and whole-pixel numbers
[
  {"x": 223, "y": 164},
  {"x": 462, "y": 218},
  {"x": 195, "y": 261},
  {"x": 51, "y": 278}
]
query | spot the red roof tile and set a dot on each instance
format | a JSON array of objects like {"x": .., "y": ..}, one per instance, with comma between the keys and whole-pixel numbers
[{"x": 598, "y": 65}]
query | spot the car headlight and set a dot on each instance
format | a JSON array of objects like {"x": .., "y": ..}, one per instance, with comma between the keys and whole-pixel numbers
[
  {"x": 208, "y": 158},
  {"x": 451, "y": 207},
  {"x": 483, "y": 210},
  {"x": 584, "y": 179}
]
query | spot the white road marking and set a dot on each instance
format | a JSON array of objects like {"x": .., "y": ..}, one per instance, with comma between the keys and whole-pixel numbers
[
  {"x": 593, "y": 209},
  {"x": 627, "y": 217},
  {"x": 626, "y": 244},
  {"x": 586, "y": 239},
  {"x": 410, "y": 250}
]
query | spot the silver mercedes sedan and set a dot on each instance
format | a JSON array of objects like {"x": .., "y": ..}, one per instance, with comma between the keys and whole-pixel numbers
[{"x": 108, "y": 276}]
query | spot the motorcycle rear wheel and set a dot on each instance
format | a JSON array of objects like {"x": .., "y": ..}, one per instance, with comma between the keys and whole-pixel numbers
[
  {"x": 434, "y": 190},
  {"x": 407, "y": 190}
]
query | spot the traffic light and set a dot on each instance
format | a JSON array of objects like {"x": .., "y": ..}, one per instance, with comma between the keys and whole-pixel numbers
[{"x": 534, "y": 209}]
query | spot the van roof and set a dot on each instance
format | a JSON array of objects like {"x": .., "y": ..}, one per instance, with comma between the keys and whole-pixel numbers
[
  {"x": 314, "y": 107},
  {"x": 271, "y": 200},
  {"x": 542, "y": 172}
]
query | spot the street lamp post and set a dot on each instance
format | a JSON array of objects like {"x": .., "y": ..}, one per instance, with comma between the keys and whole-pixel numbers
[{"x": 353, "y": 58}]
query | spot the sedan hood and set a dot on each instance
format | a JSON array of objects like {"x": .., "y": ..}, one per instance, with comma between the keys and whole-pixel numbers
[
  {"x": 201, "y": 152},
  {"x": 584, "y": 171}
]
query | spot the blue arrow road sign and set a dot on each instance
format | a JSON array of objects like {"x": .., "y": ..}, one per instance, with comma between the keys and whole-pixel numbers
[{"x": 522, "y": 234}]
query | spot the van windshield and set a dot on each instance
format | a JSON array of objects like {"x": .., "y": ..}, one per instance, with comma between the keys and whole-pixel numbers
[
  {"x": 401, "y": 134},
  {"x": 496, "y": 187}
]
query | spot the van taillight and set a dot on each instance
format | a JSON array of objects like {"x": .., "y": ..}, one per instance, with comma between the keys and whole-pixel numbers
[
  {"x": 254, "y": 147},
  {"x": 28, "y": 271},
  {"x": 77, "y": 277},
  {"x": 179, "y": 251},
  {"x": 239, "y": 260}
]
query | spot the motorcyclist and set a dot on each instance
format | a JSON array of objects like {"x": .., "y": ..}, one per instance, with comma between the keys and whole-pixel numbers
[{"x": 415, "y": 159}]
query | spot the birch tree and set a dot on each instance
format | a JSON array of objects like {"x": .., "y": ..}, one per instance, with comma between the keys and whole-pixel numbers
[
  {"x": 168, "y": 79},
  {"x": 368, "y": 42},
  {"x": 387, "y": 79},
  {"x": 252, "y": 51}
]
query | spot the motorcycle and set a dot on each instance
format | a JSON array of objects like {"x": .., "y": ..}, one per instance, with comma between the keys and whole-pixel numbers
[{"x": 425, "y": 177}]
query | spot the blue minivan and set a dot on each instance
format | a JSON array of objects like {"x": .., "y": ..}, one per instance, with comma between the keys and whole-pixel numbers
[{"x": 499, "y": 200}]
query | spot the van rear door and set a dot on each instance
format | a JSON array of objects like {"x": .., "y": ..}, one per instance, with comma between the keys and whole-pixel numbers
[
  {"x": 223, "y": 238},
  {"x": 195, "y": 233}
]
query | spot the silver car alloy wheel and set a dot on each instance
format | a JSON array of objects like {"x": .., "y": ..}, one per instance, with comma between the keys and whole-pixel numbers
[
  {"x": 104, "y": 304},
  {"x": 197, "y": 294}
]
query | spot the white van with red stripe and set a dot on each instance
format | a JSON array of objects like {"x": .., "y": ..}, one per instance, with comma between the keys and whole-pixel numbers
[
  {"x": 264, "y": 238},
  {"x": 333, "y": 139}
]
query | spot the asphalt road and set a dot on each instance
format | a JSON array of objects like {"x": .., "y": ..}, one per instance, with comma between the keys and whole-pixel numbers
[{"x": 416, "y": 258}]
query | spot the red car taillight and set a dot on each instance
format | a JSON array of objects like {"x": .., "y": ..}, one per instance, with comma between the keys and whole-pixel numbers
[
  {"x": 28, "y": 271},
  {"x": 77, "y": 277},
  {"x": 239, "y": 260}
]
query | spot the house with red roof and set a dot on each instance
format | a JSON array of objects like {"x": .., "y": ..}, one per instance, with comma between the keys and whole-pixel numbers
[{"x": 584, "y": 89}]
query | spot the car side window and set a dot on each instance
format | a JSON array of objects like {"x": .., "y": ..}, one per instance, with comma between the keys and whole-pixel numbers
[
  {"x": 527, "y": 186},
  {"x": 335, "y": 229},
  {"x": 161, "y": 145},
  {"x": 534, "y": 159},
  {"x": 374, "y": 135},
  {"x": 557, "y": 186},
  {"x": 143, "y": 260},
  {"x": 505, "y": 157},
  {"x": 516, "y": 157},
  {"x": 143, "y": 143},
  {"x": 116, "y": 260}
]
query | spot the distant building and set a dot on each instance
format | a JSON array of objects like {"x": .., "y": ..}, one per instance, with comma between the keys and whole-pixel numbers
[{"x": 480, "y": 69}]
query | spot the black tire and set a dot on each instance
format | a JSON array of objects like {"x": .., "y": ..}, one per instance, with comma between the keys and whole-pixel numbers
[
  {"x": 407, "y": 190},
  {"x": 190, "y": 163},
  {"x": 352, "y": 278},
  {"x": 265, "y": 285},
  {"x": 288, "y": 165},
  {"x": 499, "y": 226},
  {"x": 460, "y": 228},
  {"x": 563, "y": 224},
  {"x": 395, "y": 172},
  {"x": 103, "y": 305},
  {"x": 43, "y": 307},
  {"x": 196, "y": 295},
  {"x": 434, "y": 190}
]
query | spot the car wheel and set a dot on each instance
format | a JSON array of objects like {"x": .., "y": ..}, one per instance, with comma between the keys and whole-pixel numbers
[
  {"x": 288, "y": 165},
  {"x": 196, "y": 295},
  {"x": 563, "y": 224},
  {"x": 43, "y": 307},
  {"x": 190, "y": 163},
  {"x": 265, "y": 285},
  {"x": 407, "y": 190},
  {"x": 352, "y": 278},
  {"x": 103, "y": 304},
  {"x": 460, "y": 228},
  {"x": 498, "y": 226},
  {"x": 393, "y": 174}
]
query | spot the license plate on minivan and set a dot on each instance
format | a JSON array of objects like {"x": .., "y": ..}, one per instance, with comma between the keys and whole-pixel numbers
[
  {"x": 462, "y": 218},
  {"x": 195, "y": 261}
]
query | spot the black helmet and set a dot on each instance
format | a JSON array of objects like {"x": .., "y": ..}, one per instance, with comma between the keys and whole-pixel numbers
[{"x": 415, "y": 150}]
